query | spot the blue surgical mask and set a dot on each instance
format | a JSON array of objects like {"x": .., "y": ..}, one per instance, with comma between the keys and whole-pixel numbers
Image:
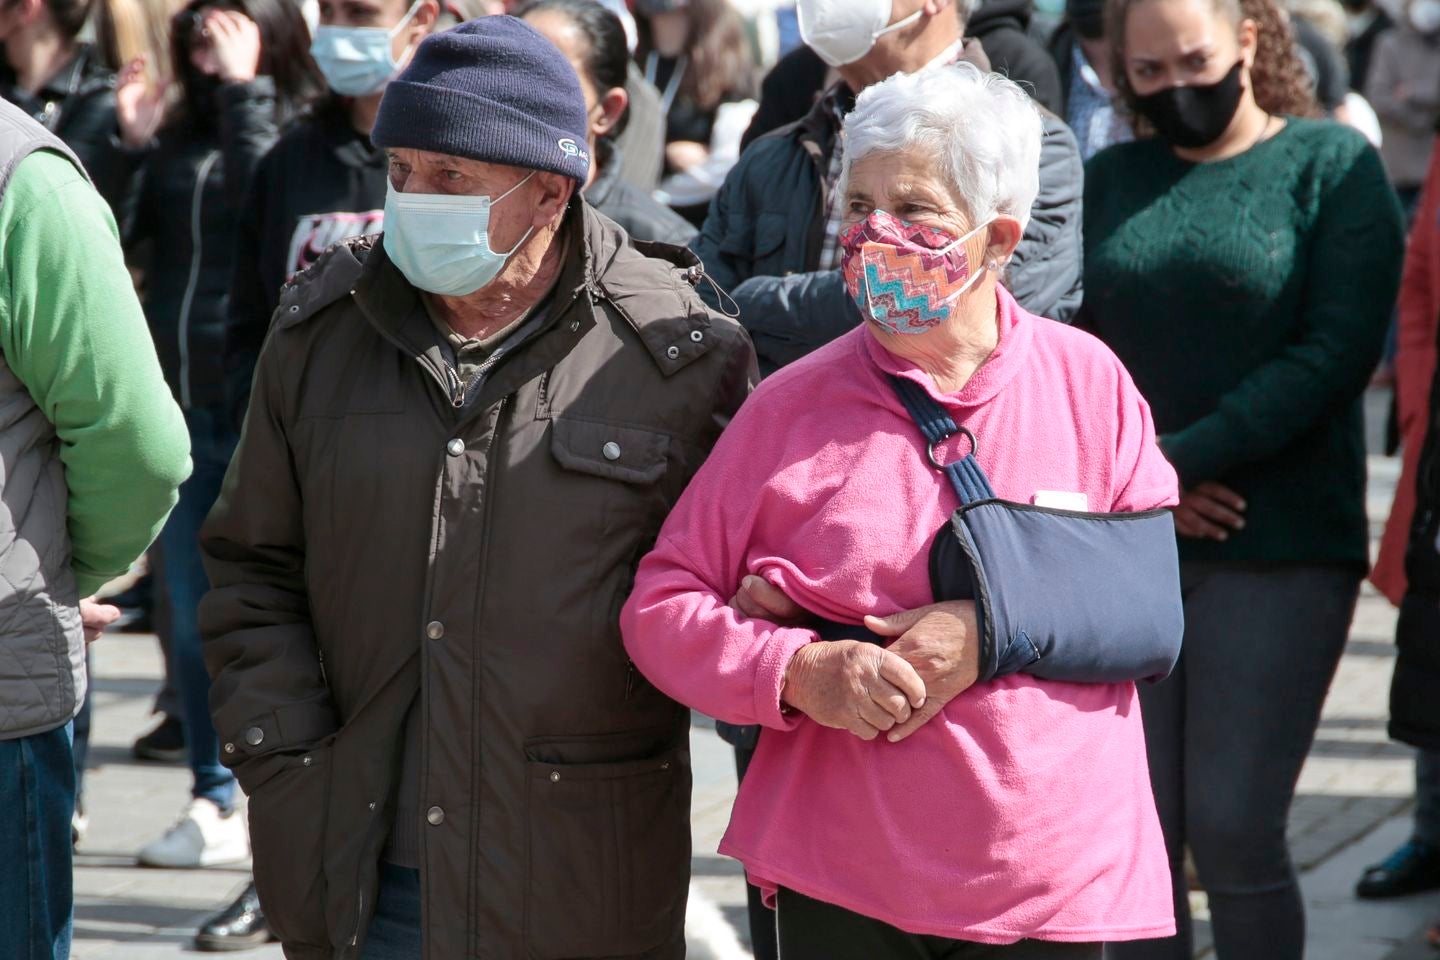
[
  {"x": 357, "y": 61},
  {"x": 441, "y": 241}
]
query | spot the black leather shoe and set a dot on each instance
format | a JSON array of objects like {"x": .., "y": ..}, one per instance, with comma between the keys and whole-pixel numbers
[
  {"x": 240, "y": 926},
  {"x": 1413, "y": 868},
  {"x": 164, "y": 744}
]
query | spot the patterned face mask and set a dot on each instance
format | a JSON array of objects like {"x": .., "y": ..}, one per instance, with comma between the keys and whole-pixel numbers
[{"x": 904, "y": 276}]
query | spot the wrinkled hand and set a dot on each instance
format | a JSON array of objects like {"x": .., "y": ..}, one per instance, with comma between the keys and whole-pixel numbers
[
  {"x": 759, "y": 599},
  {"x": 96, "y": 616},
  {"x": 941, "y": 643},
  {"x": 235, "y": 38},
  {"x": 849, "y": 685},
  {"x": 1209, "y": 511},
  {"x": 139, "y": 105}
]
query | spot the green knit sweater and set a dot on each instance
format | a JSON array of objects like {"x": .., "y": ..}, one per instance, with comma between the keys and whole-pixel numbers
[{"x": 1249, "y": 299}]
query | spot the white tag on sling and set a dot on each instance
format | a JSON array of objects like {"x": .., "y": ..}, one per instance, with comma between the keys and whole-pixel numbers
[{"x": 1061, "y": 500}]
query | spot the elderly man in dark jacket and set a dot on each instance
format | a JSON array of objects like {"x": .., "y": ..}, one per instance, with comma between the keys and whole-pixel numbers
[
  {"x": 771, "y": 238},
  {"x": 461, "y": 439}
]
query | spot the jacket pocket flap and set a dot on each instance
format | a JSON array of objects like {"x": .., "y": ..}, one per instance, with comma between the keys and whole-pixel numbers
[
  {"x": 627, "y": 454},
  {"x": 757, "y": 240}
]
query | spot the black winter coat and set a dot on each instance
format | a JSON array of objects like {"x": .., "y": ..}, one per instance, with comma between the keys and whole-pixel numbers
[
  {"x": 642, "y": 216},
  {"x": 78, "y": 106},
  {"x": 1414, "y": 707},
  {"x": 191, "y": 190},
  {"x": 321, "y": 183},
  {"x": 1002, "y": 27}
]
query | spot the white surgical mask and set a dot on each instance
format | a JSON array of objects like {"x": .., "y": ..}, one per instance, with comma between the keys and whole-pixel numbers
[
  {"x": 441, "y": 241},
  {"x": 357, "y": 61},
  {"x": 843, "y": 31}
]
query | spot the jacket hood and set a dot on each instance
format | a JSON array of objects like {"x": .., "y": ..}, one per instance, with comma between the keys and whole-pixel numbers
[{"x": 994, "y": 14}]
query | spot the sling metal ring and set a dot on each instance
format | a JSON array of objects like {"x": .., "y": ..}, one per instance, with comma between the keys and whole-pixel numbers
[{"x": 959, "y": 431}]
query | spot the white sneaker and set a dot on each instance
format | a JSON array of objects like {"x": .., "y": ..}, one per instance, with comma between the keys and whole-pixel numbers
[{"x": 201, "y": 838}]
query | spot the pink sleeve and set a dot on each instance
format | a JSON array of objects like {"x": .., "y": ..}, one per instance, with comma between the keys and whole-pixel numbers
[
  {"x": 1142, "y": 479},
  {"x": 678, "y": 626},
  {"x": 687, "y": 641}
]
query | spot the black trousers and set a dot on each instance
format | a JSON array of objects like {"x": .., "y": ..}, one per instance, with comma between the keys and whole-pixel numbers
[
  {"x": 811, "y": 930},
  {"x": 762, "y": 918}
]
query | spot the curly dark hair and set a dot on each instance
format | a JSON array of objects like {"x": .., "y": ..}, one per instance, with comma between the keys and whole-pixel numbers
[{"x": 1279, "y": 79}]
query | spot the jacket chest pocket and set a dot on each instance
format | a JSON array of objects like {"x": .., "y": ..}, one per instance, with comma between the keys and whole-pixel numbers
[
  {"x": 615, "y": 473},
  {"x": 608, "y": 855},
  {"x": 762, "y": 245}
]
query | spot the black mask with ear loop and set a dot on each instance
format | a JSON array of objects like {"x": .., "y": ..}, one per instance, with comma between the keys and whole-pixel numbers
[{"x": 1193, "y": 116}]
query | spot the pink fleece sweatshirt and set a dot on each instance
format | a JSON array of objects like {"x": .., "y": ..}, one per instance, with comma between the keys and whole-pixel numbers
[{"x": 1024, "y": 809}]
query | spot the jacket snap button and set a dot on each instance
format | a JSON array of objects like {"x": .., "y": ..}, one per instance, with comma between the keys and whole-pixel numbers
[
  {"x": 574, "y": 325},
  {"x": 455, "y": 447},
  {"x": 295, "y": 309},
  {"x": 554, "y": 776},
  {"x": 436, "y": 816},
  {"x": 665, "y": 765},
  {"x": 696, "y": 335},
  {"x": 673, "y": 353},
  {"x": 372, "y": 804},
  {"x": 305, "y": 762},
  {"x": 229, "y": 748},
  {"x": 254, "y": 736},
  {"x": 434, "y": 629},
  {"x": 611, "y": 450}
]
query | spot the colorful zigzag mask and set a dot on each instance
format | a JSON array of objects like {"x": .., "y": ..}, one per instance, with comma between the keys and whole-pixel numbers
[{"x": 905, "y": 276}]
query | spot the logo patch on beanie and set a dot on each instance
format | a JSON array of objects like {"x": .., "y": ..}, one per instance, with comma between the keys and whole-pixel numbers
[{"x": 572, "y": 149}]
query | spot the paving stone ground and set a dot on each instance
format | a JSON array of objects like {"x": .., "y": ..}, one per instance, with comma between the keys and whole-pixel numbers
[{"x": 1351, "y": 810}]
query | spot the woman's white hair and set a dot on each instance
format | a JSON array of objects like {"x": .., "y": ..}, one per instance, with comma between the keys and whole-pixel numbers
[{"x": 982, "y": 130}]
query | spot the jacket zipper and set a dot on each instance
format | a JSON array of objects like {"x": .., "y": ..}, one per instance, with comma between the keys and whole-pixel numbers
[{"x": 196, "y": 247}]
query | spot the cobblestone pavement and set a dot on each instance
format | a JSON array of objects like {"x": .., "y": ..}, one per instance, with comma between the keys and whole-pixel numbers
[{"x": 1351, "y": 810}]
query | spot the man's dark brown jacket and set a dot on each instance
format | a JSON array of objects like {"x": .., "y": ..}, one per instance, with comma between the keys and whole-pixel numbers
[{"x": 379, "y": 540}]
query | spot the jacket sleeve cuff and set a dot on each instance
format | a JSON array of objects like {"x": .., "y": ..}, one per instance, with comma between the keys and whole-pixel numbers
[
  {"x": 770, "y": 678},
  {"x": 261, "y": 88},
  {"x": 1196, "y": 452}
]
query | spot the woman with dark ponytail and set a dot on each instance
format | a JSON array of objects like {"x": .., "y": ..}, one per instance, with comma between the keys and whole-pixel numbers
[{"x": 1242, "y": 259}]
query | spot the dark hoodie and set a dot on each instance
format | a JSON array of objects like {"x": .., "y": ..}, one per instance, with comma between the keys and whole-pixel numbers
[
  {"x": 1001, "y": 27},
  {"x": 321, "y": 183}
]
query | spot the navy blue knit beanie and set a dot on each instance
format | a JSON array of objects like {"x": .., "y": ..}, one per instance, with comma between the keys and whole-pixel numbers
[{"x": 492, "y": 89}]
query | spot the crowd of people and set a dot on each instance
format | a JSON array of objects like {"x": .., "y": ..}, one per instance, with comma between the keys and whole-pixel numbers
[{"x": 549, "y": 369}]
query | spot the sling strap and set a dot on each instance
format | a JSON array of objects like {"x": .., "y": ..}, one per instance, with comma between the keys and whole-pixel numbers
[{"x": 937, "y": 426}]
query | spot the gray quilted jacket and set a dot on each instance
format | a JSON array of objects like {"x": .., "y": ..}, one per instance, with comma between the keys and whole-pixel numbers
[{"x": 42, "y": 647}]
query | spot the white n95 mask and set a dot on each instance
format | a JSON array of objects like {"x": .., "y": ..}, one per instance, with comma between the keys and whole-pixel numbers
[{"x": 843, "y": 31}]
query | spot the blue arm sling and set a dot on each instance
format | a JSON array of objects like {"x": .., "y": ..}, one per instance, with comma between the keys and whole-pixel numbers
[{"x": 1059, "y": 594}]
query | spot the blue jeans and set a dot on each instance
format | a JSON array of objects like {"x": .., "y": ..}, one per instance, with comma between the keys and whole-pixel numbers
[
  {"x": 395, "y": 928},
  {"x": 212, "y": 441},
  {"x": 37, "y": 798}
]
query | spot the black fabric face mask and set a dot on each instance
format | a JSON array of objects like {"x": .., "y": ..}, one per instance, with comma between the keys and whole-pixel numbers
[{"x": 1193, "y": 116}]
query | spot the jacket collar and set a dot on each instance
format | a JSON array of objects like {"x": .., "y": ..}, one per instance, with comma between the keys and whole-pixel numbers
[{"x": 651, "y": 286}]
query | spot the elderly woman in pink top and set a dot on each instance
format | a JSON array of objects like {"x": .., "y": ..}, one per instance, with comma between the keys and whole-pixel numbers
[{"x": 963, "y": 778}]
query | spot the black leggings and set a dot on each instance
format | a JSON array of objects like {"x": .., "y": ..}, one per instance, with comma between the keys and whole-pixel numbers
[{"x": 811, "y": 930}]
